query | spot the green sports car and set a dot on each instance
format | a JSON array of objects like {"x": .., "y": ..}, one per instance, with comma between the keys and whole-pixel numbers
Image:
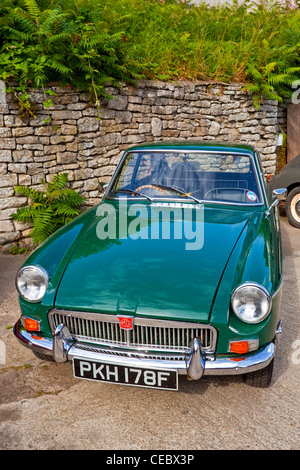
[{"x": 177, "y": 271}]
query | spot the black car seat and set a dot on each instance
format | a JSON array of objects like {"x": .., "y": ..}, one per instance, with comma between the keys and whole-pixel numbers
[{"x": 184, "y": 176}]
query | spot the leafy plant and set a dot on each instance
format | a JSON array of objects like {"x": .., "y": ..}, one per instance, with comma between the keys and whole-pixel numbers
[
  {"x": 50, "y": 209},
  {"x": 17, "y": 249},
  {"x": 87, "y": 44},
  {"x": 46, "y": 41},
  {"x": 269, "y": 83}
]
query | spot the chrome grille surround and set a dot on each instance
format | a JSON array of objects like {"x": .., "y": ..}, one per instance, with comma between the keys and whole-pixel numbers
[{"x": 157, "y": 336}]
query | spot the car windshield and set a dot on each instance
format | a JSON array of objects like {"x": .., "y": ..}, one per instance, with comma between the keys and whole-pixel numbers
[{"x": 201, "y": 176}]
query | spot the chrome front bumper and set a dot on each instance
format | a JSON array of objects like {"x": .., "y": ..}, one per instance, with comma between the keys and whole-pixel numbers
[{"x": 195, "y": 364}]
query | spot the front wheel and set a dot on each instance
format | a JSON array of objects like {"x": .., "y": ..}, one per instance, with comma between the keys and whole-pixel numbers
[
  {"x": 292, "y": 207},
  {"x": 260, "y": 378}
]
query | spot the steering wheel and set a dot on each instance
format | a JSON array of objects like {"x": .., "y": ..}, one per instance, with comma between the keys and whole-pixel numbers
[{"x": 151, "y": 186}]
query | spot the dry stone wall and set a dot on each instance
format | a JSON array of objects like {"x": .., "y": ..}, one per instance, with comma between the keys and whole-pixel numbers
[{"x": 88, "y": 149}]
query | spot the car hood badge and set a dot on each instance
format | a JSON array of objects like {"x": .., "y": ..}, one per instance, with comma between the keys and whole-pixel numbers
[{"x": 126, "y": 322}]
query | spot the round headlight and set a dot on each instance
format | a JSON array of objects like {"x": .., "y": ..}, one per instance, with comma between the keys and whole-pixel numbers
[
  {"x": 251, "y": 303},
  {"x": 32, "y": 282}
]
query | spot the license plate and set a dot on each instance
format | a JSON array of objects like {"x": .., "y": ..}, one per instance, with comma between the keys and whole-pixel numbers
[{"x": 125, "y": 375}]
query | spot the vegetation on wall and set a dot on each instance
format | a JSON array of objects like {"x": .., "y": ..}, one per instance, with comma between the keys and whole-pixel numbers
[
  {"x": 88, "y": 43},
  {"x": 48, "y": 209}
]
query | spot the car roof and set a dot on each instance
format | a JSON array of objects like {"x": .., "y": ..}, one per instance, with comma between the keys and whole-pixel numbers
[{"x": 211, "y": 146}]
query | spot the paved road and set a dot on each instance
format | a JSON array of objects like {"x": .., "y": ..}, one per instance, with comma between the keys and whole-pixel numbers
[{"x": 43, "y": 407}]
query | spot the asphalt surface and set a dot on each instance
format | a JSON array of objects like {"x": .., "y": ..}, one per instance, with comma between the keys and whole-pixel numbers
[{"x": 43, "y": 407}]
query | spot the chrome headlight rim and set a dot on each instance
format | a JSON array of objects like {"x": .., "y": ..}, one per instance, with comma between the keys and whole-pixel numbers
[
  {"x": 264, "y": 291},
  {"x": 38, "y": 269}
]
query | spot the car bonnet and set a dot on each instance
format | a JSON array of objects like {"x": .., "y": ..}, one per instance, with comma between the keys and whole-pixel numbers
[{"x": 156, "y": 278}]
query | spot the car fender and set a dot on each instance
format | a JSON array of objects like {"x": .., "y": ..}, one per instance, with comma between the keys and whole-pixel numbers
[
  {"x": 256, "y": 258},
  {"x": 53, "y": 255}
]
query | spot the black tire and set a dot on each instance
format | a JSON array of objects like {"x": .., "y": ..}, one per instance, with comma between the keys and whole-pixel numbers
[
  {"x": 260, "y": 378},
  {"x": 44, "y": 357},
  {"x": 292, "y": 207}
]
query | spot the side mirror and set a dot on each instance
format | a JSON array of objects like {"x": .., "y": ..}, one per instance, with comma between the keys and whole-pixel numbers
[{"x": 278, "y": 195}]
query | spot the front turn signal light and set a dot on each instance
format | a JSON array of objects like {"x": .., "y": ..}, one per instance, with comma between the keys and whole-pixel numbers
[
  {"x": 243, "y": 347},
  {"x": 31, "y": 325}
]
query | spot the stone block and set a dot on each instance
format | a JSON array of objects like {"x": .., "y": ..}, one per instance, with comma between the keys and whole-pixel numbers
[
  {"x": 67, "y": 129},
  {"x": 59, "y": 139},
  {"x": 6, "y": 226},
  {"x": 66, "y": 157},
  {"x": 22, "y": 226},
  {"x": 138, "y": 108},
  {"x": 76, "y": 106},
  {"x": 91, "y": 184},
  {"x": 107, "y": 113},
  {"x": 170, "y": 133},
  {"x": 214, "y": 128},
  {"x": 54, "y": 149},
  {"x": 216, "y": 109},
  {"x": 44, "y": 131},
  {"x": 144, "y": 128},
  {"x": 164, "y": 109},
  {"x": 87, "y": 124},
  {"x": 5, "y": 156},
  {"x": 22, "y": 131},
  {"x": 66, "y": 114},
  {"x": 118, "y": 102},
  {"x": 5, "y": 132},
  {"x": 108, "y": 139},
  {"x": 28, "y": 139},
  {"x": 10, "y": 179},
  {"x": 24, "y": 180},
  {"x": 83, "y": 174},
  {"x": 39, "y": 120},
  {"x": 7, "y": 143},
  {"x": 9, "y": 237},
  {"x": 156, "y": 127},
  {"x": 17, "y": 167},
  {"x": 13, "y": 121},
  {"x": 22, "y": 156},
  {"x": 6, "y": 192},
  {"x": 34, "y": 168},
  {"x": 12, "y": 202},
  {"x": 123, "y": 117}
]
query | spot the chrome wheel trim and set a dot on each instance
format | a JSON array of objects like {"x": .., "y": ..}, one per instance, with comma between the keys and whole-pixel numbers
[{"x": 293, "y": 207}]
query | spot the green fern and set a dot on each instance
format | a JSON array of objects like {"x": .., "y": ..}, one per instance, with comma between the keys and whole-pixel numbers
[
  {"x": 268, "y": 82},
  {"x": 45, "y": 42},
  {"x": 33, "y": 9},
  {"x": 50, "y": 209}
]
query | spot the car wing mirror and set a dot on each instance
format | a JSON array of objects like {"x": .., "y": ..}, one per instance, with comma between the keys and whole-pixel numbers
[{"x": 277, "y": 195}]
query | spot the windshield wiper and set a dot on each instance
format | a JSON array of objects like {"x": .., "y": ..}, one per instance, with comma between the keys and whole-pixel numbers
[
  {"x": 181, "y": 191},
  {"x": 125, "y": 190}
]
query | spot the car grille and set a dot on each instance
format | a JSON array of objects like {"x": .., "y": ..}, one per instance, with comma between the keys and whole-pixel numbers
[{"x": 147, "y": 334}]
